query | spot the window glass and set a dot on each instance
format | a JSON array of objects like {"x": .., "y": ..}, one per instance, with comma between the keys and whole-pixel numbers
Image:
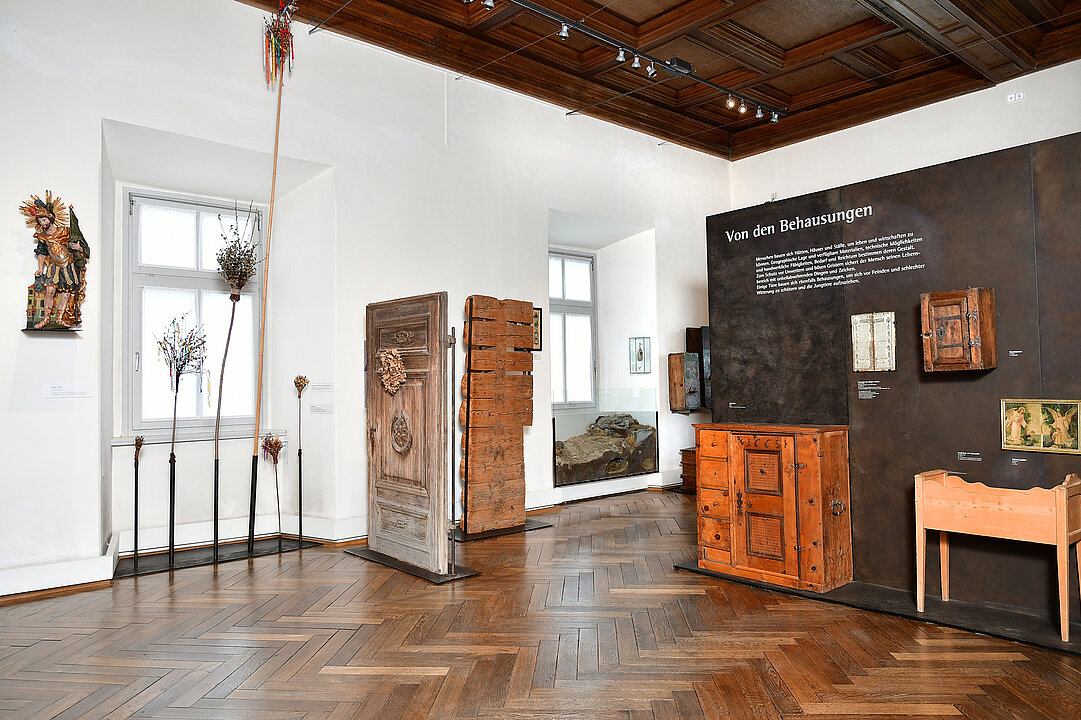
[
  {"x": 556, "y": 334},
  {"x": 578, "y": 284},
  {"x": 160, "y": 306},
  {"x": 166, "y": 236},
  {"x": 579, "y": 343},
  {"x": 238, "y": 399},
  {"x": 555, "y": 277}
]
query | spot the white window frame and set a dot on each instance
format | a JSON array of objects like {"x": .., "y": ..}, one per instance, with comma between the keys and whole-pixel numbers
[
  {"x": 137, "y": 275},
  {"x": 576, "y": 307}
]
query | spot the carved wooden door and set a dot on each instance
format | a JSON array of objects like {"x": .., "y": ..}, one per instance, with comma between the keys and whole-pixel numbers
[
  {"x": 407, "y": 430},
  {"x": 763, "y": 503}
]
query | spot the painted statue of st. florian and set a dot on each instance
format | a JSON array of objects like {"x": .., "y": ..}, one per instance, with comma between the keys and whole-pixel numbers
[{"x": 54, "y": 301}]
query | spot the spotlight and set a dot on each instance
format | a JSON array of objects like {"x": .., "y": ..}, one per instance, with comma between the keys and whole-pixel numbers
[
  {"x": 564, "y": 31},
  {"x": 759, "y": 113},
  {"x": 466, "y": 2},
  {"x": 635, "y": 64},
  {"x": 621, "y": 57},
  {"x": 650, "y": 70},
  {"x": 731, "y": 102},
  {"x": 775, "y": 118},
  {"x": 489, "y": 4},
  {"x": 742, "y": 107}
]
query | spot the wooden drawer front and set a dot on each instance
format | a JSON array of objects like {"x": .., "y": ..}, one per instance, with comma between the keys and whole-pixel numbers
[
  {"x": 713, "y": 503},
  {"x": 713, "y": 443},
  {"x": 713, "y": 474},
  {"x": 708, "y": 556},
  {"x": 714, "y": 532}
]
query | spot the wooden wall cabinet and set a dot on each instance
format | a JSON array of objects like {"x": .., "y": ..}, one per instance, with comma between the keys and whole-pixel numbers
[
  {"x": 684, "y": 386},
  {"x": 958, "y": 330},
  {"x": 773, "y": 504}
]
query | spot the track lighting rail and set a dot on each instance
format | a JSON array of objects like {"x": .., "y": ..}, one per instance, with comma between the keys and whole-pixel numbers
[{"x": 673, "y": 66}]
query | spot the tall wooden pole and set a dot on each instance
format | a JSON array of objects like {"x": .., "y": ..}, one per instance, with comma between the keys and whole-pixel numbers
[{"x": 262, "y": 321}]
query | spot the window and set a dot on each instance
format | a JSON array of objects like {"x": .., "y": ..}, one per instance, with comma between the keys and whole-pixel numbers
[
  {"x": 573, "y": 321},
  {"x": 170, "y": 249}
]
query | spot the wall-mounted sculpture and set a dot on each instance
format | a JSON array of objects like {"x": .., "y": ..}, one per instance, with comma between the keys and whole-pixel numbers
[
  {"x": 498, "y": 403},
  {"x": 54, "y": 301}
]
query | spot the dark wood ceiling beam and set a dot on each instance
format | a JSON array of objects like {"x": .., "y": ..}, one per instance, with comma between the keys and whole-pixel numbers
[
  {"x": 417, "y": 37},
  {"x": 876, "y": 104},
  {"x": 853, "y": 37},
  {"x": 1060, "y": 45},
  {"x": 900, "y": 14},
  {"x": 871, "y": 63},
  {"x": 747, "y": 47},
  {"x": 1000, "y": 25},
  {"x": 682, "y": 19}
]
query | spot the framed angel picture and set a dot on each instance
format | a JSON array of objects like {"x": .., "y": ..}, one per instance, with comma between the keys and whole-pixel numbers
[{"x": 1040, "y": 425}]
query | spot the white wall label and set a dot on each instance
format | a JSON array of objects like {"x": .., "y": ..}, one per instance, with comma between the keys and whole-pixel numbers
[
  {"x": 1015, "y": 461},
  {"x": 68, "y": 391},
  {"x": 1016, "y": 353},
  {"x": 869, "y": 389},
  {"x": 969, "y": 456},
  {"x": 323, "y": 409},
  {"x": 321, "y": 387}
]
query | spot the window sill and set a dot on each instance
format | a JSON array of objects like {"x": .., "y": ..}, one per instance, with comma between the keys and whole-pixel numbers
[{"x": 158, "y": 437}]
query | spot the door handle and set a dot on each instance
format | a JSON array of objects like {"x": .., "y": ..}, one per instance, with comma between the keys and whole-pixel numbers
[
  {"x": 739, "y": 502},
  {"x": 371, "y": 437}
]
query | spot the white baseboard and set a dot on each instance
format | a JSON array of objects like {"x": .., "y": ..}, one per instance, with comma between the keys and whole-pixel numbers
[
  {"x": 46, "y": 576},
  {"x": 546, "y": 497},
  {"x": 599, "y": 488}
]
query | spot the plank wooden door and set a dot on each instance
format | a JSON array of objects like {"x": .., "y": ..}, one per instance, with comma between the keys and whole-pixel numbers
[
  {"x": 407, "y": 431},
  {"x": 498, "y": 392},
  {"x": 763, "y": 497}
]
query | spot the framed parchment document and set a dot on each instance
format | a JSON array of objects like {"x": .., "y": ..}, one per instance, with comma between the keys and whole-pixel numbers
[{"x": 874, "y": 342}]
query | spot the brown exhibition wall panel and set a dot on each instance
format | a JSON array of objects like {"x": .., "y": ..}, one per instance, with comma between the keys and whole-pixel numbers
[{"x": 1007, "y": 220}]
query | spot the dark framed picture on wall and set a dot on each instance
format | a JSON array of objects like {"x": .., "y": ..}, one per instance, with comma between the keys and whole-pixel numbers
[{"x": 536, "y": 330}]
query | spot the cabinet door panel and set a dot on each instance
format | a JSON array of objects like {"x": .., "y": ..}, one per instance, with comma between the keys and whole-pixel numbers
[{"x": 764, "y": 513}]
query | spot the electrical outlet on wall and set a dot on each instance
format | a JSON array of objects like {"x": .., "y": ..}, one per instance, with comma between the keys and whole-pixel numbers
[{"x": 1015, "y": 96}]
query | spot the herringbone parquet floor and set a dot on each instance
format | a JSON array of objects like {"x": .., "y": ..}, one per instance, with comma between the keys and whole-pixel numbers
[{"x": 587, "y": 619}]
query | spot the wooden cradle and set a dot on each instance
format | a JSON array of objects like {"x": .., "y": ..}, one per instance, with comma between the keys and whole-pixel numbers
[{"x": 949, "y": 504}]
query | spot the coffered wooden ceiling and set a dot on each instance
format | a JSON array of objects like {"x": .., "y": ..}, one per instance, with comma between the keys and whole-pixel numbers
[{"x": 828, "y": 64}]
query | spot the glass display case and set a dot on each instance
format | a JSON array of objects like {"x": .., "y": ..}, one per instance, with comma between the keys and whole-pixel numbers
[{"x": 617, "y": 438}]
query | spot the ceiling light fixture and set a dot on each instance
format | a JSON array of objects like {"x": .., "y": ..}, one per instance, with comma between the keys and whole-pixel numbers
[
  {"x": 742, "y": 107},
  {"x": 775, "y": 117},
  {"x": 650, "y": 70},
  {"x": 759, "y": 113},
  {"x": 674, "y": 66}
]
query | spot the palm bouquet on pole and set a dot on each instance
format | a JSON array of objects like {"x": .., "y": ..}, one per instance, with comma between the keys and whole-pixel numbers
[
  {"x": 236, "y": 265},
  {"x": 184, "y": 352}
]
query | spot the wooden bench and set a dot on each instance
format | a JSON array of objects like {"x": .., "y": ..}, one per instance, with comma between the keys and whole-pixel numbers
[{"x": 949, "y": 504}]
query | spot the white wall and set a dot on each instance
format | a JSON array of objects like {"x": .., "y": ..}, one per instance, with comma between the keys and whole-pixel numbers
[
  {"x": 432, "y": 183},
  {"x": 973, "y": 124}
]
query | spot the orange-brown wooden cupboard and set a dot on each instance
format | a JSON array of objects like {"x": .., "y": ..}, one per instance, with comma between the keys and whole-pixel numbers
[{"x": 773, "y": 503}]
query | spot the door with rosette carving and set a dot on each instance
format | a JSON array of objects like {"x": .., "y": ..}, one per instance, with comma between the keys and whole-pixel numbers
[
  {"x": 763, "y": 498},
  {"x": 406, "y": 388}
]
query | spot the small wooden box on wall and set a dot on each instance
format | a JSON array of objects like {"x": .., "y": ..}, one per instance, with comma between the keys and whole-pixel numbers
[
  {"x": 958, "y": 330},
  {"x": 684, "y": 386}
]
